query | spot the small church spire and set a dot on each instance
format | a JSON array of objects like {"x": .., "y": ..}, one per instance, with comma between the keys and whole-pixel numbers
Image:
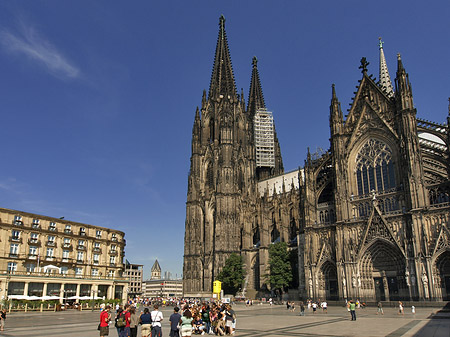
[
  {"x": 403, "y": 88},
  {"x": 385, "y": 79},
  {"x": 222, "y": 78},
  {"x": 336, "y": 116},
  {"x": 255, "y": 96}
]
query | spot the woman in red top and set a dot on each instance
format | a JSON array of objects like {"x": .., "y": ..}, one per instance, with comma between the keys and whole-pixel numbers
[{"x": 105, "y": 317}]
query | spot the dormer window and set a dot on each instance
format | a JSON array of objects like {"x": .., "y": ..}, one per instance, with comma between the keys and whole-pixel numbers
[
  {"x": 18, "y": 220},
  {"x": 35, "y": 223},
  {"x": 82, "y": 231},
  {"x": 114, "y": 237},
  {"x": 68, "y": 229},
  {"x": 98, "y": 234},
  {"x": 52, "y": 227}
]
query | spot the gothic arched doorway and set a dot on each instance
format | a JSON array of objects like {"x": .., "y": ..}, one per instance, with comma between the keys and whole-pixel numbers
[
  {"x": 254, "y": 281},
  {"x": 382, "y": 268},
  {"x": 328, "y": 283},
  {"x": 443, "y": 271}
]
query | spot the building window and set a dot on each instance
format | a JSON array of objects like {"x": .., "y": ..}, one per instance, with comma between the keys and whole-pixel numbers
[
  {"x": 15, "y": 235},
  {"x": 96, "y": 245},
  {"x": 112, "y": 260},
  {"x": 78, "y": 271},
  {"x": 65, "y": 255},
  {"x": 33, "y": 251},
  {"x": 94, "y": 272},
  {"x": 82, "y": 231},
  {"x": 30, "y": 267},
  {"x": 113, "y": 237},
  {"x": 14, "y": 249},
  {"x": 68, "y": 229},
  {"x": 110, "y": 273},
  {"x": 50, "y": 252},
  {"x": 52, "y": 227},
  {"x": 66, "y": 242},
  {"x": 34, "y": 237},
  {"x": 12, "y": 267},
  {"x": 64, "y": 270},
  {"x": 96, "y": 258},
  {"x": 80, "y": 256},
  {"x": 113, "y": 248},
  {"x": 98, "y": 234},
  {"x": 35, "y": 223},
  {"x": 18, "y": 220},
  {"x": 375, "y": 169},
  {"x": 51, "y": 240}
]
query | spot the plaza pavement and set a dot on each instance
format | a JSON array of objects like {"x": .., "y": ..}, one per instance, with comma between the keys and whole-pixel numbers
[{"x": 258, "y": 320}]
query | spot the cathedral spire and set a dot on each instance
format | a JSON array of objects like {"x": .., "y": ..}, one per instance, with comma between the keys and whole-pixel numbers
[
  {"x": 385, "y": 79},
  {"x": 403, "y": 86},
  {"x": 336, "y": 116},
  {"x": 255, "y": 97},
  {"x": 222, "y": 78}
]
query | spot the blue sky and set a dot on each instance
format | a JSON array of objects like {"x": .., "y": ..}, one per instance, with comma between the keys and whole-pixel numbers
[{"x": 97, "y": 98}]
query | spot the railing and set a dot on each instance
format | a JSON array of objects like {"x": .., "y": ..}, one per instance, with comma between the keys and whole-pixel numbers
[
  {"x": 34, "y": 242},
  {"x": 388, "y": 202}
]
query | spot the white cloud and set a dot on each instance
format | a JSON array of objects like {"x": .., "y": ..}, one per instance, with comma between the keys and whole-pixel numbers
[{"x": 29, "y": 43}]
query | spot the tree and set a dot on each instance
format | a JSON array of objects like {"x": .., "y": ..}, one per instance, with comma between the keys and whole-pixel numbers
[
  {"x": 280, "y": 271},
  {"x": 232, "y": 274}
]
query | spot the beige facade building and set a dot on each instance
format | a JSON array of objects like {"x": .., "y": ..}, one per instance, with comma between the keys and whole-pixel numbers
[
  {"x": 162, "y": 288},
  {"x": 45, "y": 256},
  {"x": 134, "y": 274}
]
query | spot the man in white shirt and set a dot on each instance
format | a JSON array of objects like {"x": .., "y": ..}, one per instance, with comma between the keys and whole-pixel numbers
[{"x": 157, "y": 318}]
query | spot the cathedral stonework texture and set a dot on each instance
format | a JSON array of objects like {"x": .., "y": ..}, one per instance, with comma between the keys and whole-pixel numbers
[{"x": 368, "y": 218}]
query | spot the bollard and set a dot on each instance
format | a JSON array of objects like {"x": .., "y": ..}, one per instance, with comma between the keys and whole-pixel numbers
[
  {"x": 26, "y": 307},
  {"x": 42, "y": 307},
  {"x": 9, "y": 311}
]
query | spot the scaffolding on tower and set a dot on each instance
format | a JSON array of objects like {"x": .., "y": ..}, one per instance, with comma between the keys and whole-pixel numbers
[{"x": 264, "y": 138}]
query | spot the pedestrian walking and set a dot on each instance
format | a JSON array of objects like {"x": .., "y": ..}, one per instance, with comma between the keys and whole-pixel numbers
[
  {"x": 413, "y": 310},
  {"x": 380, "y": 308},
  {"x": 400, "y": 308},
  {"x": 352, "y": 307},
  {"x": 302, "y": 309},
  {"x": 105, "y": 317}
]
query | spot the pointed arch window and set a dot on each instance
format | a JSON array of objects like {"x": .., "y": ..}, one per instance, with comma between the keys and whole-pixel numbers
[
  {"x": 210, "y": 177},
  {"x": 375, "y": 167}
]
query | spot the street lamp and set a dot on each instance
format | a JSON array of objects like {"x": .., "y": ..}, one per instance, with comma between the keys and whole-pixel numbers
[{"x": 93, "y": 292}]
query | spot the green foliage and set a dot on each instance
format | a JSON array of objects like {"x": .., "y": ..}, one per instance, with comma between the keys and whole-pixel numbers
[
  {"x": 232, "y": 274},
  {"x": 280, "y": 271}
]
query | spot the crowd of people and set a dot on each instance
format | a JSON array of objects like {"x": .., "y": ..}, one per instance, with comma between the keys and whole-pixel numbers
[{"x": 193, "y": 318}]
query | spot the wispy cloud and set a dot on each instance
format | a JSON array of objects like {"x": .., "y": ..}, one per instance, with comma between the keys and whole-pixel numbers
[{"x": 27, "y": 41}]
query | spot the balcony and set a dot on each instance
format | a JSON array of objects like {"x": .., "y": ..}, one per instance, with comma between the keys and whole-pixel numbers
[
  {"x": 67, "y": 245},
  {"x": 35, "y": 226},
  {"x": 68, "y": 231},
  {"x": 96, "y": 262},
  {"x": 52, "y": 229},
  {"x": 32, "y": 256},
  {"x": 51, "y": 244},
  {"x": 112, "y": 252},
  {"x": 97, "y": 250},
  {"x": 80, "y": 261},
  {"x": 82, "y": 233},
  {"x": 34, "y": 242},
  {"x": 81, "y": 247},
  {"x": 50, "y": 258},
  {"x": 112, "y": 264},
  {"x": 18, "y": 222},
  {"x": 114, "y": 239},
  {"x": 15, "y": 239},
  {"x": 14, "y": 255}
]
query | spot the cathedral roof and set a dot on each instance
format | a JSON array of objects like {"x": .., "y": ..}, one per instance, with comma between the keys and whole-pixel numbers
[
  {"x": 255, "y": 96},
  {"x": 222, "y": 78}
]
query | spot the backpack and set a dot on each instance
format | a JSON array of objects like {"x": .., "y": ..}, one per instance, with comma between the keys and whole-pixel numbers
[{"x": 121, "y": 321}]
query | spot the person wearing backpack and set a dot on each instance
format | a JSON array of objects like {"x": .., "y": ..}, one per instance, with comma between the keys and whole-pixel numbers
[{"x": 121, "y": 322}]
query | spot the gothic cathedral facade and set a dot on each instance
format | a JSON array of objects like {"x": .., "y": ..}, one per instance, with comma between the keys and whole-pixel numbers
[{"x": 367, "y": 219}]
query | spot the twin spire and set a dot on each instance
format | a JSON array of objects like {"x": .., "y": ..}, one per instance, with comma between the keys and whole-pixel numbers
[{"x": 222, "y": 78}]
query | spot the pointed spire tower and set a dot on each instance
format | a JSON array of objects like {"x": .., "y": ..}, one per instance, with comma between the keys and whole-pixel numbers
[
  {"x": 255, "y": 96},
  {"x": 222, "y": 78},
  {"x": 268, "y": 152},
  {"x": 385, "y": 79}
]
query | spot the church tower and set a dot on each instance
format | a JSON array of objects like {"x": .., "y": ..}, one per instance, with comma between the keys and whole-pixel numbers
[{"x": 221, "y": 174}]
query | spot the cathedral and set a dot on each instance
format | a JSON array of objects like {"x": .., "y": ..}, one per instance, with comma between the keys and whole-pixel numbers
[{"x": 366, "y": 219}]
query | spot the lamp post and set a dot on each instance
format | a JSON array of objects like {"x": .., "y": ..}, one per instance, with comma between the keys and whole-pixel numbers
[{"x": 93, "y": 292}]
